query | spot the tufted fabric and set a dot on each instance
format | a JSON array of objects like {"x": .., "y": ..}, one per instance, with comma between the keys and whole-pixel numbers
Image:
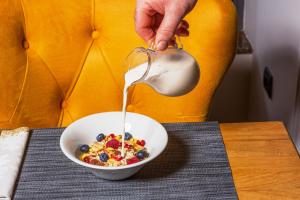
[{"x": 62, "y": 60}]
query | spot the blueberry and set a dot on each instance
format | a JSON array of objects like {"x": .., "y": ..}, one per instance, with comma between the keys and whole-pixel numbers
[
  {"x": 128, "y": 136},
  {"x": 84, "y": 148},
  {"x": 103, "y": 157},
  {"x": 140, "y": 154},
  {"x": 100, "y": 137}
]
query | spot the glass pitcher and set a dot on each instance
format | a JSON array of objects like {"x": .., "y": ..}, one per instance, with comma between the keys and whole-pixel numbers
[{"x": 172, "y": 72}]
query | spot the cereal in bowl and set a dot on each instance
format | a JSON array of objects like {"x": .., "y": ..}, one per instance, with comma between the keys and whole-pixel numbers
[{"x": 106, "y": 150}]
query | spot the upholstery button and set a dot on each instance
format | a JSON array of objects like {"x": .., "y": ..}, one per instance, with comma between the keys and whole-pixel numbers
[
  {"x": 64, "y": 104},
  {"x": 25, "y": 44},
  {"x": 95, "y": 34}
]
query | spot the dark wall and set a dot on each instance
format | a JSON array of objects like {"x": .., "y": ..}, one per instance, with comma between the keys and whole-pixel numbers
[{"x": 240, "y": 7}]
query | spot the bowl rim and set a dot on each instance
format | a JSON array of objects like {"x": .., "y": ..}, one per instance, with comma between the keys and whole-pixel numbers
[{"x": 141, "y": 163}]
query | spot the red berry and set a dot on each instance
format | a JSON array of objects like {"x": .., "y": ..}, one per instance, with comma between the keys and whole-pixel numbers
[
  {"x": 128, "y": 146},
  {"x": 141, "y": 142},
  {"x": 132, "y": 160},
  {"x": 113, "y": 143},
  {"x": 112, "y": 135},
  {"x": 87, "y": 159},
  {"x": 117, "y": 157}
]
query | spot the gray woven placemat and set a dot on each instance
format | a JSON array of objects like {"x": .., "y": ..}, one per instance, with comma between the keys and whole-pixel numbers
[{"x": 194, "y": 166}]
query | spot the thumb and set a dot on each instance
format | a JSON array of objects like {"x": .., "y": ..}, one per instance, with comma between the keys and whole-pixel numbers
[{"x": 168, "y": 28}]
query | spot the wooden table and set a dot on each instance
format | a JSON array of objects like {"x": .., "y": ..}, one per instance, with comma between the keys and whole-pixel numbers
[{"x": 264, "y": 162}]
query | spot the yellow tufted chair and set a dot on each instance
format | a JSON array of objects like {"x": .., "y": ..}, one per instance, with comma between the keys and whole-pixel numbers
[{"x": 62, "y": 59}]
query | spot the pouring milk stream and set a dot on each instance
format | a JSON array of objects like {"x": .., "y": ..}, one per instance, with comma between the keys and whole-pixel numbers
[{"x": 172, "y": 72}]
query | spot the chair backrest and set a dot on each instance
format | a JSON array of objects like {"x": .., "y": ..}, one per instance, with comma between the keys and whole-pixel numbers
[{"x": 61, "y": 60}]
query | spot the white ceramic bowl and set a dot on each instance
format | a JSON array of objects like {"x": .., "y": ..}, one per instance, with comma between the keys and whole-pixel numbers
[{"x": 85, "y": 130}]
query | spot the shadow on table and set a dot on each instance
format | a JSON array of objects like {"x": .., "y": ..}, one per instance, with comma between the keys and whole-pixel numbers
[{"x": 175, "y": 156}]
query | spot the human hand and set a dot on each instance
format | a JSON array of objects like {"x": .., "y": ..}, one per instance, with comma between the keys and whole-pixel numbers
[{"x": 157, "y": 21}]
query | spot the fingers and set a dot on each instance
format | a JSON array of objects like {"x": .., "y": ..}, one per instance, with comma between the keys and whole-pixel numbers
[
  {"x": 182, "y": 29},
  {"x": 182, "y": 32},
  {"x": 184, "y": 24},
  {"x": 168, "y": 28},
  {"x": 144, "y": 23},
  {"x": 157, "y": 21}
]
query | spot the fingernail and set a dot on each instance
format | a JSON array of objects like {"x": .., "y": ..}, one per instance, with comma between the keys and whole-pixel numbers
[{"x": 161, "y": 45}]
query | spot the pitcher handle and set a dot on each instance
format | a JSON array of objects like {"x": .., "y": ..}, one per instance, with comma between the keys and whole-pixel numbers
[{"x": 175, "y": 42}]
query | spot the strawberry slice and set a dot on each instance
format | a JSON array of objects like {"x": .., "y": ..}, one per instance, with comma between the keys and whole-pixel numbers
[
  {"x": 132, "y": 160},
  {"x": 117, "y": 157},
  {"x": 87, "y": 159},
  {"x": 128, "y": 146}
]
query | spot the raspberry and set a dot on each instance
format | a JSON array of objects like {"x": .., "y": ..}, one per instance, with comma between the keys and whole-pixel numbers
[
  {"x": 112, "y": 135},
  {"x": 113, "y": 144}
]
